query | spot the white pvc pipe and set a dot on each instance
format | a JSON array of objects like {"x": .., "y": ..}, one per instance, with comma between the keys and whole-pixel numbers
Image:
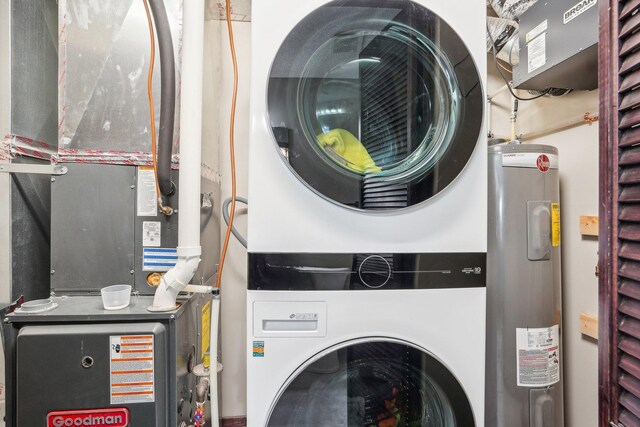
[
  {"x": 191, "y": 125},
  {"x": 189, "y": 250},
  {"x": 198, "y": 289},
  {"x": 213, "y": 354}
]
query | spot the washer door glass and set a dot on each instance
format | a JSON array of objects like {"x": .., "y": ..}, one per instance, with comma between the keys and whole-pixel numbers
[
  {"x": 375, "y": 104},
  {"x": 373, "y": 383}
]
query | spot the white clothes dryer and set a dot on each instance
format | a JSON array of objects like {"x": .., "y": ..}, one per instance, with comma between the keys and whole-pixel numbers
[
  {"x": 367, "y": 130},
  {"x": 354, "y": 359}
]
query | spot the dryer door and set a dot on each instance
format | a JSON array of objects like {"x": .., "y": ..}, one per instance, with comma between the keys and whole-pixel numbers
[
  {"x": 385, "y": 383},
  {"x": 374, "y": 104}
]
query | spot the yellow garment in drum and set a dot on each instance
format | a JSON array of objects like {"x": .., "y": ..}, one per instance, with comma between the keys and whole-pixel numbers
[{"x": 347, "y": 146}]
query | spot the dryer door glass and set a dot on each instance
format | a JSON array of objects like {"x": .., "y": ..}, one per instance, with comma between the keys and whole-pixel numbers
[
  {"x": 373, "y": 383},
  {"x": 375, "y": 104}
]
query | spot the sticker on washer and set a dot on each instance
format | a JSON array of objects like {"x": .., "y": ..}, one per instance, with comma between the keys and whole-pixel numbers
[
  {"x": 537, "y": 53},
  {"x": 159, "y": 259},
  {"x": 258, "y": 349},
  {"x": 147, "y": 195},
  {"x": 538, "y": 356},
  {"x": 151, "y": 233},
  {"x": 541, "y": 161},
  {"x": 132, "y": 369},
  {"x": 555, "y": 224}
]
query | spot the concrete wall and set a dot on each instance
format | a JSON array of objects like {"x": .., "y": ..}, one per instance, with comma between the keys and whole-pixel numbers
[{"x": 578, "y": 151}]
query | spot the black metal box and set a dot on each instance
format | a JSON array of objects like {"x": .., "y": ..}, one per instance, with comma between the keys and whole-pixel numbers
[{"x": 80, "y": 358}]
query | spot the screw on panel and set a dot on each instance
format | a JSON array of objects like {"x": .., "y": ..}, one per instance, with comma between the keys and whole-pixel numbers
[
  {"x": 87, "y": 362},
  {"x": 131, "y": 271},
  {"x": 133, "y": 186},
  {"x": 53, "y": 271},
  {"x": 53, "y": 180}
]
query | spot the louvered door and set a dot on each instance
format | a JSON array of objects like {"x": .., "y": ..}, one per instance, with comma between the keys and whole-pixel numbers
[{"x": 620, "y": 213}]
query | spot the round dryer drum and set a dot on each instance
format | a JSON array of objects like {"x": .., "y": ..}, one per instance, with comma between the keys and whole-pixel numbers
[
  {"x": 372, "y": 383},
  {"x": 375, "y": 105}
]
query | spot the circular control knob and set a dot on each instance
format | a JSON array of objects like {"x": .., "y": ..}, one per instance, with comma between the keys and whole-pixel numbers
[{"x": 374, "y": 271}]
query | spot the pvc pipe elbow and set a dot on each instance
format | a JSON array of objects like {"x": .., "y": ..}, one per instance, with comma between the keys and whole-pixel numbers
[{"x": 174, "y": 281}]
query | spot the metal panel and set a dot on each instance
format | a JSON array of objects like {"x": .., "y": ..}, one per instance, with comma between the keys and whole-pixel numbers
[
  {"x": 188, "y": 339},
  {"x": 520, "y": 293},
  {"x": 34, "y": 70},
  {"x": 209, "y": 236},
  {"x": 30, "y": 233},
  {"x": 92, "y": 228},
  {"x": 88, "y": 388},
  {"x": 570, "y": 49},
  {"x": 104, "y": 57},
  {"x": 168, "y": 236},
  {"x": 29, "y": 370}
]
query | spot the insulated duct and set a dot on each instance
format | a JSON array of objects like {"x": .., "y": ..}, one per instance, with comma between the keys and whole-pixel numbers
[
  {"x": 504, "y": 29},
  {"x": 511, "y": 9},
  {"x": 505, "y": 34}
]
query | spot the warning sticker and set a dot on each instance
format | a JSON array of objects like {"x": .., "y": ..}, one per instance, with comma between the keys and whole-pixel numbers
[
  {"x": 147, "y": 195},
  {"x": 555, "y": 224},
  {"x": 206, "y": 327},
  {"x": 132, "y": 369},
  {"x": 151, "y": 233},
  {"x": 538, "y": 353},
  {"x": 537, "y": 51}
]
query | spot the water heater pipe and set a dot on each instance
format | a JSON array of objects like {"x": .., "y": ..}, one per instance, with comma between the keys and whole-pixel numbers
[{"x": 189, "y": 249}]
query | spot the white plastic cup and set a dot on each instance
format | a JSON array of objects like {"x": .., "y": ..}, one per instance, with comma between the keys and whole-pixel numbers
[{"x": 116, "y": 297}]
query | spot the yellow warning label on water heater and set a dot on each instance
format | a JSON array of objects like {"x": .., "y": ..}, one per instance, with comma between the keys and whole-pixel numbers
[
  {"x": 206, "y": 327},
  {"x": 555, "y": 224}
]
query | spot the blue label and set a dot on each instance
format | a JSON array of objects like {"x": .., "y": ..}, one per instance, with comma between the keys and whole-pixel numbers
[{"x": 159, "y": 259}]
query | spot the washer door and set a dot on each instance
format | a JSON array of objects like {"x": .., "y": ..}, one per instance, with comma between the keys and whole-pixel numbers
[
  {"x": 375, "y": 104},
  {"x": 383, "y": 383}
]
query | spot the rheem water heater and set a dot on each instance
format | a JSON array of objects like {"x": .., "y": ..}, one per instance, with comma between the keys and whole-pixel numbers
[{"x": 524, "y": 304}]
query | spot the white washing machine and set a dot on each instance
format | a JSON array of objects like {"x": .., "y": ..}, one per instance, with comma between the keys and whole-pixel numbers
[
  {"x": 367, "y": 130},
  {"x": 354, "y": 359},
  {"x": 368, "y": 223}
]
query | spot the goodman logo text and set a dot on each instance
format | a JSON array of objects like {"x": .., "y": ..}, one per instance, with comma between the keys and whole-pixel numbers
[
  {"x": 578, "y": 9},
  {"x": 112, "y": 417}
]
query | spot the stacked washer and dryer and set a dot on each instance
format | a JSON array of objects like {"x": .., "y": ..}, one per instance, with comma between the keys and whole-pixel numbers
[{"x": 368, "y": 220}]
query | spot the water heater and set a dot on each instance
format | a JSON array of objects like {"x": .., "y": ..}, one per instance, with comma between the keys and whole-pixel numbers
[{"x": 524, "y": 303}]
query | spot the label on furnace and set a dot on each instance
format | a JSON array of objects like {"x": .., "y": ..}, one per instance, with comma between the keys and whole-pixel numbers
[
  {"x": 132, "y": 369},
  {"x": 151, "y": 233},
  {"x": 538, "y": 356},
  {"x": 147, "y": 204}
]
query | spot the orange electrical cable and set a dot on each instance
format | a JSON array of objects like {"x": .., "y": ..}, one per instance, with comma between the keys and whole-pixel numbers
[
  {"x": 152, "y": 114},
  {"x": 225, "y": 245}
]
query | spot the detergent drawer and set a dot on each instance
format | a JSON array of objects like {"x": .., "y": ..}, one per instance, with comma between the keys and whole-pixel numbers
[{"x": 111, "y": 372}]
